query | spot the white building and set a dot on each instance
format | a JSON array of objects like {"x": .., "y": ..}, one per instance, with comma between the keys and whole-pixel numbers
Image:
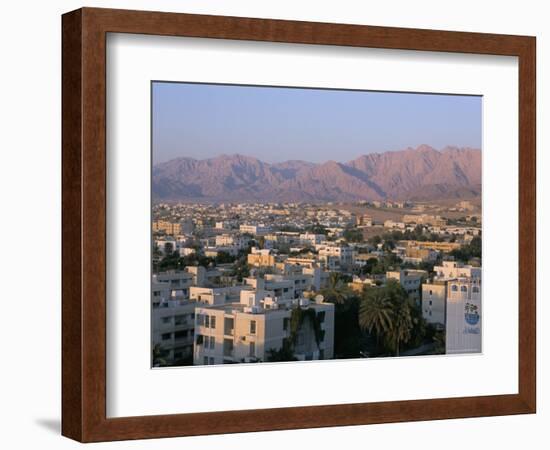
[
  {"x": 256, "y": 230},
  {"x": 410, "y": 279},
  {"x": 312, "y": 239},
  {"x": 230, "y": 240},
  {"x": 173, "y": 321},
  {"x": 453, "y": 269},
  {"x": 463, "y": 316},
  {"x": 247, "y": 330},
  {"x": 334, "y": 258}
]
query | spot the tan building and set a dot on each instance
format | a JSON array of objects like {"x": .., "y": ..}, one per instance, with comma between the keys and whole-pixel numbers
[
  {"x": 434, "y": 303},
  {"x": 260, "y": 258},
  {"x": 439, "y": 246},
  {"x": 245, "y": 331},
  {"x": 173, "y": 228},
  {"x": 425, "y": 219}
]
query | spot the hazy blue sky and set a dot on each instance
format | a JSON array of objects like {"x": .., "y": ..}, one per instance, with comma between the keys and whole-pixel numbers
[{"x": 277, "y": 124}]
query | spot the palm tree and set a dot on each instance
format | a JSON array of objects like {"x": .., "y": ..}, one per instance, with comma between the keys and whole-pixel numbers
[
  {"x": 375, "y": 312},
  {"x": 400, "y": 332},
  {"x": 336, "y": 292}
]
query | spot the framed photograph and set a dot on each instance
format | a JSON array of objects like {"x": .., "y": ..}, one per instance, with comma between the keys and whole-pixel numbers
[{"x": 274, "y": 225}]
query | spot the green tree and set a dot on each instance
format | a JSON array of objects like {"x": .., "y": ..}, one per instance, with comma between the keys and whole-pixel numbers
[
  {"x": 387, "y": 313},
  {"x": 376, "y": 312},
  {"x": 159, "y": 355},
  {"x": 337, "y": 291},
  {"x": 402, "y": 325},
  {"x": 285, "y": 353}
]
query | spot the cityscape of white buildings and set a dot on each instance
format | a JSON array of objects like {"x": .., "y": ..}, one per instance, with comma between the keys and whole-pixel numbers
[{"x": 214, "y": 314}]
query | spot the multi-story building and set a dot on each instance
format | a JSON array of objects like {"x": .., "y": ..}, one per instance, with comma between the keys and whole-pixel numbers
[
  {"x": 434, "y": 303},
  {"x": 364, "y": 221},
  {"x": 247, "y": 330},
  {"x": 463, "y": 316},
  {"x": 256, "y": 230},
  {"x": 425, "y": 219},
  {"x": 454, "y": 269},
  {"x": 174, "y": 228},
  {"x": 335, "y": 258},
  {"x": 432, "y": 245},
  {"x": 312, "y": 239},
  {"x": 260, "y": 258},
  {"x": 411, "y": 281},
  {"x": 172, "y": 324},
  {"x": 177, "y": 281}
]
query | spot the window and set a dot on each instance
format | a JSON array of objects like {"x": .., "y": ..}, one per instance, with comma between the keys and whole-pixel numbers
[
  {"x": 463, "y": 288},
  {"x": 213, "y": 322},
  {"x": 166, "y": 336},
  {"x": 207, "y": 321},
  {"x": 228, "y": 325},
  {"x": 200, "y": 319},
  {"x": 166, "y": 320},
  {"x": 205, "y": 360},
  {"x": 252, "y": 327},
  {"x": 200, "y": 338},
  {"x": 431, "y": 292},
  {"x": 475, "y": 290},
  {"x": 252, "y": 349},
  {"x": 210, "y": 342},
  {"x": 430, "y": 303},
  {"x": 454, "y": 288},
  {"x": 180, "y": 319},
  {"x": 180, "y": 334}
]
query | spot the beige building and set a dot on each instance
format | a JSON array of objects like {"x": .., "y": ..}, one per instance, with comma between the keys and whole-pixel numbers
[
  {"x": 439, "y": 246},
  {"x": 454, "y": 269},
  {"x": 434, "y": 303},
  {"x": 260, "y": 258},
  {"x": 410, "y": 279},
  {"x": 245, "y": 331},
  {"x": 425, "y": 219},
  {"x": 173, "y": 228}
]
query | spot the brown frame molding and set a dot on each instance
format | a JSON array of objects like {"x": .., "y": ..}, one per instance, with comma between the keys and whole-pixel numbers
[{"x": 84, "y": 202}]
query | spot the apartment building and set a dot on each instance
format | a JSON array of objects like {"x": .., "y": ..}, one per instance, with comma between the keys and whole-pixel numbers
[
  {"x": 260, "y": 258},
  {"x": 255, "y": 230},
  {"x": 410, "y": 279},
  {"x": 174, "y": 228},
  {"x": 177, "y": 281},
  {"x": 312, "y": 239},
  {"x": 335, "y": 258},
  {"x": 433, "y": 245},
  {"x": 245, "y": 331},
  {"x": 364, "y": 221},
  {"x": 434, "y": 303},
  {"x": 425, "y": 219},
  {"x": 172, "y": 323},
  {"x": 454, "y": 269}
]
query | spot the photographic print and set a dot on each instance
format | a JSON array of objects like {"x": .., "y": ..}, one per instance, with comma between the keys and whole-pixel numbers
[{"x": 297, "y": 224}]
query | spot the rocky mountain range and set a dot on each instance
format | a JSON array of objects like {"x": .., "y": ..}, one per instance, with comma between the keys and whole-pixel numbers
[{"x": 423, "y": 173}]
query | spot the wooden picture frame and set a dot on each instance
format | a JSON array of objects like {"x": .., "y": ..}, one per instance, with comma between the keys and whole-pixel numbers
[{"x": 84, "y": 224}]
